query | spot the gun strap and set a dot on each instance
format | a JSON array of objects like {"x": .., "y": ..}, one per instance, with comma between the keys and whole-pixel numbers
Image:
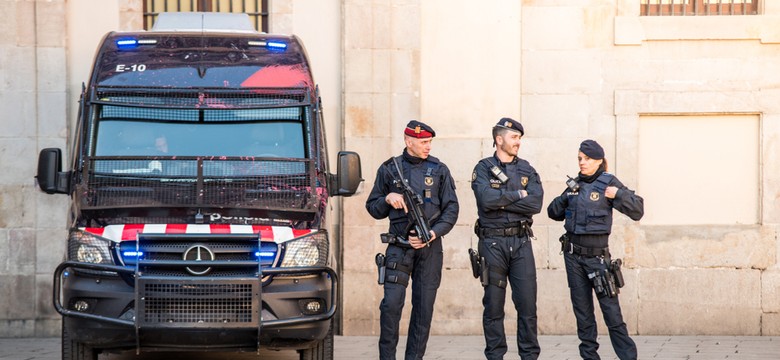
[{"x": 500, "y": 278}]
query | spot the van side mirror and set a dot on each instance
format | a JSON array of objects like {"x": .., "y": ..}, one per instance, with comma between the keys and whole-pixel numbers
[
  {"x": 50, "y": 177},
  {"x": 348, "y": 175}
]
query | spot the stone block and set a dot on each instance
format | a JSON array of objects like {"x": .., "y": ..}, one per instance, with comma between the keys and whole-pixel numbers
[
  {"x": 554, "y": 311},
  {"x": 562, "y": 72},
  {"x": 17, "y": 328},
  {"x": 382, "y": 71},
  {"x": 405, "y": 26},
  {"x": 564, "y": 115},
  {"x": 50, "y": 248},
  {"x": 23, "y": 288},
  {"x": 699, "y": 301},
  {"x": 770, "y": 294},
  {"x": 455, "y": 246},
  {"x": 26, "y": 30},
  {"x": 360, "y": 247},
  {"x": 18, "y": 109},
  {"x": 48, "y": 327},
  {"x": 459, "y": 154},
  {"x": 744, "y": 246},
  {"x": 22, "y": 60},
  {"x": 51, "y": 71},
  {"x": 50, "y": 24},
  {"x": 51, "y": 212},
  {"x": 405, "y": 71},
  {"x": 16, "y": 211},
  {"x": 8, "y": 25},
  {"x": 43, "y": 293},
  {"x": 770, "y": 324},
  {"x": 52, "y": 121},
  {"x": 21, "y": 251},
  {"x": 459, "y": 299},
  {"x": 358, "y": 26},
  {"x": 554, "y": 28},
  {"x": 403, "y": 106},
  {"x": 362, "y": 296},
  {"x": 381, "y": 25},
  {"x": 360, "y": 64},
  {"x": 358, "y": 115},
  {"x": 381, "y": 122}
]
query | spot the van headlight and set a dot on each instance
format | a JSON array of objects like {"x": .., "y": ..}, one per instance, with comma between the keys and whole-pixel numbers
[
  {"x": 309, "y": 250},
  {"x": 87, "y": 248}
]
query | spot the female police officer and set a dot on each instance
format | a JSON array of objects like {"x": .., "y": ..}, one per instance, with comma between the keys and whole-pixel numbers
[{"x": 586, "y": 206}]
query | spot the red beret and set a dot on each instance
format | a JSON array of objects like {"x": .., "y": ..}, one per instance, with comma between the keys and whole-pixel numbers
[{"x": 419, "y": 130}]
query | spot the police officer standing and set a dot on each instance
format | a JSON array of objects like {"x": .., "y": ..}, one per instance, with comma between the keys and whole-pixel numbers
[
  {"x": 407, "y": 256},
  {"x": 508, "y": 192},
  {"x": 586, "y": 207}
]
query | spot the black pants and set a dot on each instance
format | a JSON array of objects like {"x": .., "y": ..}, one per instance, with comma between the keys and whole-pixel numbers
[
  {"x": 581, "y": 288},
  {"x": 425, "y": 265},
  {"x": 514, "y": 255}
]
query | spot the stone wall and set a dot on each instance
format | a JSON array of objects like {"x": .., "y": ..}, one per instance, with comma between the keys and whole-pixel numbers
[{"x": 569, "y": 70}]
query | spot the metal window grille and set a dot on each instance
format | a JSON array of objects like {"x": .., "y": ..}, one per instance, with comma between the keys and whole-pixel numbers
[
  {"x": 698, "y": 7},
  {"x": 256, "y": 9}
]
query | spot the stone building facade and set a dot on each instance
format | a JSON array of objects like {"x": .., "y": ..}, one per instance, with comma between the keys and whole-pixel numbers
[{"x": 687, "y": 108}]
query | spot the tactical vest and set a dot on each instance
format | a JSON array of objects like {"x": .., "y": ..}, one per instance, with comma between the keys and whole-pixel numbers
[
  {"x": 519, "y": 174},
  {"x": 425, "y": 179},
  {"x": 589, "y": 211}
]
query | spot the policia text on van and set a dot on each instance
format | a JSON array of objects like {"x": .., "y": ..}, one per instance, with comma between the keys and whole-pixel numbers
[{"x": 199, "y": 184}]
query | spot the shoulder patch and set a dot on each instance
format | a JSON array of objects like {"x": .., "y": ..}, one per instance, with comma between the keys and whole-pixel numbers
[{"x": 474, "y": 175}]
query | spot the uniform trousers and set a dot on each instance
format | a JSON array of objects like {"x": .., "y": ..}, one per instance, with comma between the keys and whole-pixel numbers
[
  {"x": 581, "y": 287},
  {"x": 514, "y": 256},
  {"x": 425, "y": 265}
]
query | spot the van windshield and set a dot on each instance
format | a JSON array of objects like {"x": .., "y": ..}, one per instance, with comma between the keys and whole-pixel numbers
[{"x": 128, "y": 131}]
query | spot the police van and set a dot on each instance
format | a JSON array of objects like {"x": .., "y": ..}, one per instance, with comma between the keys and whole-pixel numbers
[{"x": 200, "y": 184}]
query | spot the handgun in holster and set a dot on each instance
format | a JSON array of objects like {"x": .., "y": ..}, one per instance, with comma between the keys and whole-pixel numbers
[
  {"x": 614, "y": 268},
  {"x": 564, "y": 239},
  {"x": 476, "y": 265},
  {"x": 381, "y": 267}
]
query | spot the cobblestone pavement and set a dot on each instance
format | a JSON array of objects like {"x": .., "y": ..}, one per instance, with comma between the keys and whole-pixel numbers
[{"x": 458, "y": 347}]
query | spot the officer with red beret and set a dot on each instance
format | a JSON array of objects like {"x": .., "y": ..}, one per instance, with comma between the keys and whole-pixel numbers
[
  {"x": 508, "y": 193},
  {"x": 586, "y": 207},
  {"x": 410, "y": 258}
]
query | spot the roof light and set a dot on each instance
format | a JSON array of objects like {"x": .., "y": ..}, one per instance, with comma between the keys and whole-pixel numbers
[
  {"x": 271, "y": 44},
  {"x": 127, "y": 43},
  {"x": 276, "y": 45},
  {"x": 147, "y": 41}
]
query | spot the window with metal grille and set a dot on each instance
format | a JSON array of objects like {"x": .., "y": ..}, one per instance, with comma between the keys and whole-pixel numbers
[
  {"x": 698, "y": 7},
  {"x": 256, "y": 9}
]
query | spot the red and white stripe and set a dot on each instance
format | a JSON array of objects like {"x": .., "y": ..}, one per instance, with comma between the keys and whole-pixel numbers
[{"x": 117, "y": 233}]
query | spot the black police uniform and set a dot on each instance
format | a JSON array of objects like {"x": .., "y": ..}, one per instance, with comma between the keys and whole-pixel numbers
[
  {"x": 588, "y": 223},
  {"x": 504, "y": 230},
  {"x": 435, "y": 184}
]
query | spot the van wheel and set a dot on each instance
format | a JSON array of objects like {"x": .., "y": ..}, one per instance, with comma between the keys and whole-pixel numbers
[
  {"x": 74, "y": 350},
  {"x": 323, "y": 350}
]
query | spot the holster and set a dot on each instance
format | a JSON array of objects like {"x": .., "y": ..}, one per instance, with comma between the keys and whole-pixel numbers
[
  {"x": 614, "y": 268},
  {"x": 604, "y": 283},
  {"x": 381, "y": 267},
  {"x": 476, "y": 264},
  {"x": 564, "y": 239}
]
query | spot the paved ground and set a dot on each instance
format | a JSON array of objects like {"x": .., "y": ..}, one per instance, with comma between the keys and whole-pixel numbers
[{"x": 460, "y": 347}]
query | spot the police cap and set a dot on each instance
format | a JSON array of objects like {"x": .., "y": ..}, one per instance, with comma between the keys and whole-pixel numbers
[
  {"x": 510, "y": 124},
  {"x": 592, "y": 149},
  {"x": 418, "y": 129}
]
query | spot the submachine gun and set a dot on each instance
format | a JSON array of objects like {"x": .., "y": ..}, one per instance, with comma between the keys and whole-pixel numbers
[{"x": 418, "y": 222}]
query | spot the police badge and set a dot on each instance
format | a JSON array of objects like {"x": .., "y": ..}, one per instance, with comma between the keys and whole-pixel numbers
[
  {"x": 474, "y": 175},
  {"x": 428, "y": 181},
  {"x": 594, "y": 196},
  {"x": 524, "y": 180}
]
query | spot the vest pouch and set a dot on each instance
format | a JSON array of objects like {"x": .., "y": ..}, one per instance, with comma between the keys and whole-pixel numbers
[{"x": 599, "y": 221}]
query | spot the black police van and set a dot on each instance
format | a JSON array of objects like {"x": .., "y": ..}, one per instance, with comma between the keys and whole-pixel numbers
[{"x": 200, "y": 183}]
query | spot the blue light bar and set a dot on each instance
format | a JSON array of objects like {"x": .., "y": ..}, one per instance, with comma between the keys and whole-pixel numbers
[
  {"x": 278, "y": 45},
  {"x": 132, "y": 254},
  {"x": 127, "y": 43},
  {"x": 265, "y": 254}
]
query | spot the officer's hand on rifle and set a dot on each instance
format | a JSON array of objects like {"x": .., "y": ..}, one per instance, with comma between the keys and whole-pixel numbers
[
  {"x": 416, "y": 243},
  {"x": 396, "y": 200}
]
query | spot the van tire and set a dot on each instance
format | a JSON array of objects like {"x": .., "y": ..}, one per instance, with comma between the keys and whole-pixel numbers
[
  {"x": 74, "y": 350},
  {"x": 323, "y": 350}
]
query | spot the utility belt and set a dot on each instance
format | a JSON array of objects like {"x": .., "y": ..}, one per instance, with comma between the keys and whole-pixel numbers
[
  {"x": 520, "y": 229},
  {"x": 572, "y": 248},
  {"x": 390, "y": 238}
]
